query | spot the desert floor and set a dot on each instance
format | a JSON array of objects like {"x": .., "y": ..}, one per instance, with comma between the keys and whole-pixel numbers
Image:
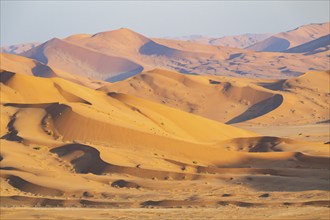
[
  {"x": 310, "y": 132},
  {"x": 230, "y": 212},
  {"x": 237, "y": 196}
]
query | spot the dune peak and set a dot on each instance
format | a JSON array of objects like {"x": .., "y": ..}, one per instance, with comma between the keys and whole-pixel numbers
[{"x": 123, "y": 33}]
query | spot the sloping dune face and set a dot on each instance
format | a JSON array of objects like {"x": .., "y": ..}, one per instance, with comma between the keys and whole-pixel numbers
[
  {"x": 318, "y": 45},
  {"x": 127, "y": 43},
  {"x": 83, "y": 61},
  {"x": 63, "y": 144},
  {"x": 120, "y": 54},
  {"x": 272, "y": 44},
  {"x": 19, "y": 48},
  {"x": 23, "y": 65},
  {"x": 299, "y": 100},
  {"x": 237, "y": 41},
  {"x": 286, "y": 40}
]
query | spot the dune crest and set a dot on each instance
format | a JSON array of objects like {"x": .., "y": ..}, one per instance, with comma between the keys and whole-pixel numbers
[
  {"x": 237, "y": 41},
  {"x": 82, "y": 61},
  {"x": 119, "y": 54},
  {"x": 286, "y": 40},
  {"x": 235, "y": 100}
]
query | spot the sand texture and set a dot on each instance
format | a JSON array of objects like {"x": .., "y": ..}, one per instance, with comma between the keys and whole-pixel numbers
[{"x": 66, "y": 145}]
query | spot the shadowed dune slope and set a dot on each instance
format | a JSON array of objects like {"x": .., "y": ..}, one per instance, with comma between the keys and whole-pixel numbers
[
  {"x": 82, "y": 61},
  {"x": 127, "y": 43},
  {"x": 318, "y": 45},
  {"x": 286, "y": 40},
  {"x": 19, "y": 64},
  {"x": 23, "y": 65},
  {"x": 234, "y": 100}
]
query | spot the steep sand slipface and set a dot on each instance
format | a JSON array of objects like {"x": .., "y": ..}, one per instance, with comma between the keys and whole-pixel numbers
[
  {"x": 299, "y": 100},
  {"x": 210, "y": 97},
  {"x": 109, "y": 56},
  {"x": 83, "y": 61},
  {"x": 286, "y": 40},
  {"x": 318, "y": 45},
  {"x": 306, "y": 97},
  {"x": 127, "y": 43},
  {"x": 23, "y": 65}
]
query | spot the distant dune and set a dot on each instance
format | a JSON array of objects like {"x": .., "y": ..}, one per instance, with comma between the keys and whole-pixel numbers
[
  {"x": 286, "y": 40},
  {"x": 237, "y": 41},
  {"x": 83, "y": 61},
  {"x": 318, "y": 45},
  {"x": 119, "y": 54},
  {"x": 18, "y": 48}
]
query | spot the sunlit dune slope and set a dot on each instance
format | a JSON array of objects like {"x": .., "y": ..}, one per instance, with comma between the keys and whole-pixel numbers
[
  {"x": 82, "y": 114},
  {"x": 299, "y": 100},
  {"x": 23, "y": 65},
  {"x": 63, "y": 144}
]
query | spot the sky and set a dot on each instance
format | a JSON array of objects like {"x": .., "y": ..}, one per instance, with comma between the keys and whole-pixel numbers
[{"x": 38, "y": 21}]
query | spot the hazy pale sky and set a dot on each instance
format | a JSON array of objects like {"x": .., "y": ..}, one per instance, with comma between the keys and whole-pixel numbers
[{"x": 38, "y": 21}]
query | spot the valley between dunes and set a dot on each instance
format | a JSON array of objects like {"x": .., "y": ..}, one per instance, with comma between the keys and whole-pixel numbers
[{"x": 66, "y": 145}]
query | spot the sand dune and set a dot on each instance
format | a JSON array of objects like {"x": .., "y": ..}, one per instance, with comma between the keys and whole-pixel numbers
[
  {"x": 18, "y": 48},
  {"x": 318, "y": 45},
  {"x": 83, "y": 61},
  {"x": 20, "y": 64},
  {"x": 23, "y": 65},
  {"x": 119, "y": 54},
  {"x": 237, "y": 41},
  {"x": 125, "y": 112},
  {"x": 66, "y": 145},
  {"x": 286, "y": 40},
  {"x": 127, "y": 43},
  {"x": 299, "y": 100}
]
